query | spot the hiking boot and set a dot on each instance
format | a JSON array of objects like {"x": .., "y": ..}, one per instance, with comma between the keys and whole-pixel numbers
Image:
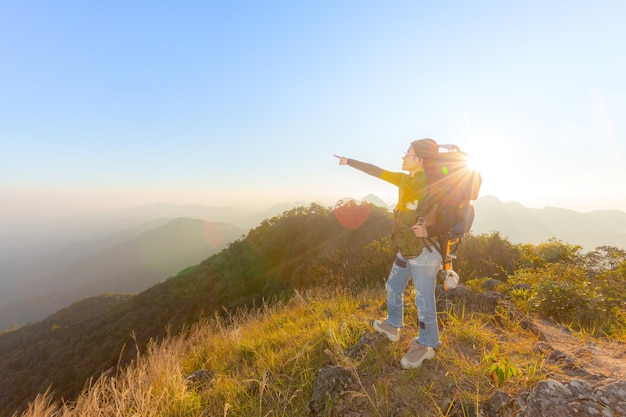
[
  {"x": 418, "y": 354},
  {"x": 387, "y": 329}
]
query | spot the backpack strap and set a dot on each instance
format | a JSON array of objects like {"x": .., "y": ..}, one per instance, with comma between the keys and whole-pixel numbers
[{"x": 438, "y": 243}]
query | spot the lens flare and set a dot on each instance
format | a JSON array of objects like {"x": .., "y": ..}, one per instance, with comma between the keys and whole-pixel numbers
[{"x": 351, "y": 214}]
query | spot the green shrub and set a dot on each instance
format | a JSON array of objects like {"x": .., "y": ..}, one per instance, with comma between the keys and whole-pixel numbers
[
  {"x": 566, "y": 293},
  {"x": 566, "y": 302}
]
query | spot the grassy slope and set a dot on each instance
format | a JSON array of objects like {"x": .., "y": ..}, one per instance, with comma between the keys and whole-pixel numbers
[{"x": 265, "y": 363}]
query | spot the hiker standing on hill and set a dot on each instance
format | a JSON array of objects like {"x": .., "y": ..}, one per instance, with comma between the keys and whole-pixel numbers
[{"x": 413, "y": 260}]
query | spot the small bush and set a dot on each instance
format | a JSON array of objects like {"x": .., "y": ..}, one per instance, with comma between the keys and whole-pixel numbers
[
  {"x": 565, "y": 301},
  {"x": 568, "y": 294}
]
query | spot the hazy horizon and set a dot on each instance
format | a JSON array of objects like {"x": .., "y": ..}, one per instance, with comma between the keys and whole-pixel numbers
[
  {"x": 67, "y": 207},
  {"x": 53, "y": 230},
  {"x": 107, "y": 106}
]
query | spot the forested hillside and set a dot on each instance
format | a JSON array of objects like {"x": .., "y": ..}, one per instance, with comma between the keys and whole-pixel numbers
[{"x": 295, "y": 249}]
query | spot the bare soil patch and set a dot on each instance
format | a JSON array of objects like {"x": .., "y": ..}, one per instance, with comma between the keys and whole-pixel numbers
[{"x": 600, "y": 357}]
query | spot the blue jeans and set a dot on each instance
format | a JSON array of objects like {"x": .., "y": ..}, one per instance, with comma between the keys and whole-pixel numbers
[{"x": 423, "y": 270}]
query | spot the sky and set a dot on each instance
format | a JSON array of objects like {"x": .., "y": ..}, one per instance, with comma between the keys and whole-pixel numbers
[{"x": 109, "y": 105}]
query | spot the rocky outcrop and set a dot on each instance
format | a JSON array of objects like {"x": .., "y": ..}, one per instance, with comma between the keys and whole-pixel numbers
[
  {"x": 335, "y": 392},
  {"x": 574, "y": 398}
]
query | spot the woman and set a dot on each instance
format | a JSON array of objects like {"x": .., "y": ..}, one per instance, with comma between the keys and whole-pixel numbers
[{"x": 414, "y": 259}]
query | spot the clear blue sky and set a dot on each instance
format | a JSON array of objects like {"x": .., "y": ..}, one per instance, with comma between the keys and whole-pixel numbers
[{"x": 112, "y": 104}]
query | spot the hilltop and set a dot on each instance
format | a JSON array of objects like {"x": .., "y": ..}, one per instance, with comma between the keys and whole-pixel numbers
[
  {"x": 316, "y": 354},
  {"x": 265, "y": 317}
]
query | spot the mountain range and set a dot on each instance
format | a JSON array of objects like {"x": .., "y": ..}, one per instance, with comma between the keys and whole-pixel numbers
[
  {"x": 123, "y": 251},
  {"x": 521, "y": 224},
  {"x": 84, "y": 270},
  {"x": 145, "y": 245}
]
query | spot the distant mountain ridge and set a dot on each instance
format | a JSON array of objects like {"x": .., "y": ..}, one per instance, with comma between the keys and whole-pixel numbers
[
  {"x": 26, "y": 279},
  {"x": 528, "y": 225},
  {"x": 128, "y": 267},
  {"x": 39, "y": 236},
  {"x": 521, "y": 224}
]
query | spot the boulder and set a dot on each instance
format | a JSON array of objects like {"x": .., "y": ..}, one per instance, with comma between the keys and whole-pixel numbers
[{"x": 575, "y": 398}]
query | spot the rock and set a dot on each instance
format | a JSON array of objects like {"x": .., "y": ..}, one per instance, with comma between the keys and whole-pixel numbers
[
  {"x": 575, "y": 398},
  {"x": 499, "y": 405},
  {"x": 329, "y": 391},
  {"x": 568, "y": 363},
  {"x": 543, "y": 347},
  {"x": 461, "y": 295},
  {"x": 614, "y": 395},
  {"x": 357, "y": 351},
  {"x": 490, "y": 284},
  {"x": 199, "y": 378},
  {"x": 557, "y": 356}
]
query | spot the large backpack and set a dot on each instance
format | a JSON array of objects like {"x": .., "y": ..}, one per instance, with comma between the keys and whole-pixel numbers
[{"x": 452, "y": 185}]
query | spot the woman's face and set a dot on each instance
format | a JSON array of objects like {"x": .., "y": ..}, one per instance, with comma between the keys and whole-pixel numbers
[{"x": 410, "y": 161}]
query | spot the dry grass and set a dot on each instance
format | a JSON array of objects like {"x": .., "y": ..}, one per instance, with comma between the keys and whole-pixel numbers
[{"x": 264, "y": 362}]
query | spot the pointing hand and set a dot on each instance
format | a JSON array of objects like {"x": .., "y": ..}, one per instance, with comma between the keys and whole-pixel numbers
[{"x": 342, "y": 159}]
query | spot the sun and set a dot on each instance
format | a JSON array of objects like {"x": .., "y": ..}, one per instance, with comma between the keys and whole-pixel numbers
[
  {"x": 474, "y": 162},
  {"x": 496, "y": 171}
]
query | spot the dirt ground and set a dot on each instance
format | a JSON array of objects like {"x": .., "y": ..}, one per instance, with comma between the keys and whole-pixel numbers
[{"x": 601, "y": 357}]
